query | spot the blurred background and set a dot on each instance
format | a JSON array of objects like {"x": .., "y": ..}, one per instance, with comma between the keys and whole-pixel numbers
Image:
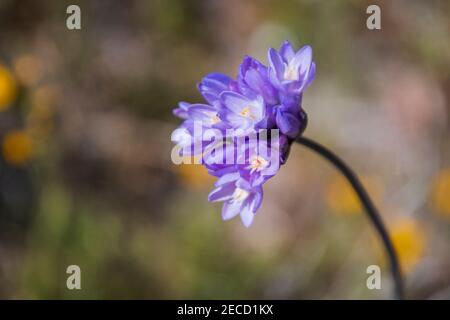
[{"x": 85, "y": 170}]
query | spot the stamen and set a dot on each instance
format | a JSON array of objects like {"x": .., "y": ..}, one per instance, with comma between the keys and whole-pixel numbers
[
  {"x": 258, "y": 163},
  {"x": 240, "y": 195},
  {"x": 245, "y": 112},
  {"x": 290, "y": 73},
  {"x": 215, "y": 119}
]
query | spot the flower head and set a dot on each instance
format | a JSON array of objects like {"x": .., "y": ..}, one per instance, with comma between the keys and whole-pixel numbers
[{"x": 244, "y": 130}]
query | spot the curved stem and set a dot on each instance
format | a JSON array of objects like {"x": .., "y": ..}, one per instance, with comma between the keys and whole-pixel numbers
[{"x": 372, "y": 212}]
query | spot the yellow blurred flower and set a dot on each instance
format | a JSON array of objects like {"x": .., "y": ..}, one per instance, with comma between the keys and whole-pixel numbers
[
  {"x": 8, "y": 88},
  {"x": 409, "y": 241},
  {"x": 195, "y": 175},
  {"x": 342, "y": 199},
  {"x": 441, "y": 193},
  {"x": 28, "y": 69},
  {"x": 17, "y": 148}
]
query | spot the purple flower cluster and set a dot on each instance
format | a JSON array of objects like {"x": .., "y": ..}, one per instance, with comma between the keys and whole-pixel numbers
[{"x": 247, "y": 125}]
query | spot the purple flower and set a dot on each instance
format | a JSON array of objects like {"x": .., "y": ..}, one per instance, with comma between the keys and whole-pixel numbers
[
  {"x": 213, "y": 85},
  {"x": 253, "y": 79},
  {"x": 208, "y": 115},
  {"x": 182, "y": 110},
  {"x": 258, "y": 161},
  {"x": 233, "y": 130},
  {"x": 239, "y": 197},
  {"x": 291, "y": 71},
  {"x": 184, "y": 139},
  {"x": 288, "y": 121},
  {"x": 242, "y": 112}
]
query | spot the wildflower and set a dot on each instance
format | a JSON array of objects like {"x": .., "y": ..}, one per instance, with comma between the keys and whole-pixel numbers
[
  {"x": 8, "y": 88},
  {"x": 440, "y": 193},
  {"x": 17, "y": 148},
  {"x": 291, "y": 71},
  {"x": 213, "y": 85},
  {"x": 239, "y": 197},
  {"x": 242, "y": 112},
  {"x": 342, "y": 200},
  {"x": 232, "y": 123},
  {"x": 181, "y": 111},
  {"x": 207, "y": 114},
  {"x": 289, "y": 120},
  {"x": 255, "y": 163},
  {"x": 409, "y": 240},
  {"x": 253, "y": 79}
]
